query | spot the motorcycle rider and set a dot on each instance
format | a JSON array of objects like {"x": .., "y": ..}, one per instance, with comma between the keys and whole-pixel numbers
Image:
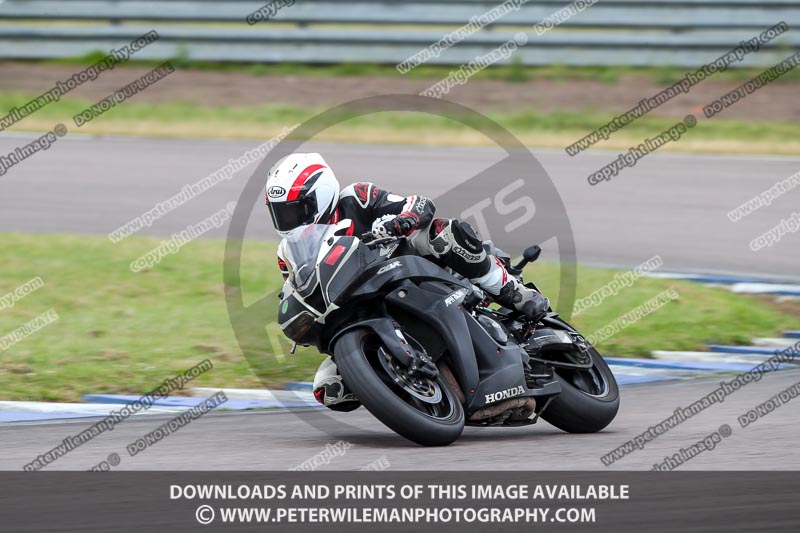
[{"x": 302, "y": 189}]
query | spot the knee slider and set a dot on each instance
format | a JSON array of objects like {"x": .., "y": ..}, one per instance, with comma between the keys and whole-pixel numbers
[
  {"x": 467, "y": 243},
  {"x": 440, "y": 236},
  {"x": 467, "y": 236}
]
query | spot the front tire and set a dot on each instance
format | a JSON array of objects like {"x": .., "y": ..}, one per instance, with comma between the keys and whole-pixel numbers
[
  {"x": 355, "y": 355},
  {"x": 589, "y": 400}
]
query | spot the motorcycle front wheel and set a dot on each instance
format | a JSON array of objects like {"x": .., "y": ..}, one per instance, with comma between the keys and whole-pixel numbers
[{"x": 426, "y": 412}]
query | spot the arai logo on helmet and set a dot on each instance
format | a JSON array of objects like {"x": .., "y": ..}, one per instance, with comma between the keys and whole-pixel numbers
[
  {"x": 504, "y": 394},
  {"x": 276, "y": 191}
]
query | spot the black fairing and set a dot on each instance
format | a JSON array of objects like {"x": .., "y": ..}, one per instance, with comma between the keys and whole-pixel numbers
[
  {"x": 296, "y": 321},
  {"x": 480, "y": 364},
  {"x": 359, "y": 276},
  {"x": 383, "y": 295},
  {"x": 451, "y": 323},
  {"x": 341, "y": 273}
]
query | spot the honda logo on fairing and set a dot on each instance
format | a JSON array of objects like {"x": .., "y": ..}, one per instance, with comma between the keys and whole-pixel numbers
[
  {"x": 504, "y": 394},
  {"x": 388, "y": 267},
  {"x": 276, "y": 192}
]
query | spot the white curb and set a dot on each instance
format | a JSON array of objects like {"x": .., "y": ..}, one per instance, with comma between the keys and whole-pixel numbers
[
  {"x": 255, "y": 394},
  {"x": 765, "y": 288},
  {"x": 99, "y": 409},
  {"x": 774, "y": 342},
  {"x": 711, "y": 357}
]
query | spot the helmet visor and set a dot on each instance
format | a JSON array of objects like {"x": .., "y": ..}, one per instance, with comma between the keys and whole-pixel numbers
[{"x": 287, "y": 216}]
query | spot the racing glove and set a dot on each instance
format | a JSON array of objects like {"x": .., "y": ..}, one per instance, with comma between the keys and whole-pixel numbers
[{"x": 395, "y": 225}]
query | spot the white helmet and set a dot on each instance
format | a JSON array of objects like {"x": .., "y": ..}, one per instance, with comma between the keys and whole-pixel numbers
[{"x": 301, "y": 189}]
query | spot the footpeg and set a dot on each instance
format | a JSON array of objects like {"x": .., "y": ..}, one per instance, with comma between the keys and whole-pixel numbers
[{"x": 534, "y": 372}]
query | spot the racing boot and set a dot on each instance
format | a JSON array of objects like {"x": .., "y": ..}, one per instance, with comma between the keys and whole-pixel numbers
[
  {"x": 509, "y": 292},
  {"x": 329, "y": 388},
  {"x": 529, "y": 302}
]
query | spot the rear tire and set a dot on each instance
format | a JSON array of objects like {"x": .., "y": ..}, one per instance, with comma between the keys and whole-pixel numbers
[
  {"x": 577, "y": 411},
  {"x": 351, "y": 356}
]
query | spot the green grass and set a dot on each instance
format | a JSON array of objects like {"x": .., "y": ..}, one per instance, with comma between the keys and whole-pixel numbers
[
  {"x": 125, "y": 332},
  {"x": 188, "y": 119},
  {"x": 514, "y": 71}
]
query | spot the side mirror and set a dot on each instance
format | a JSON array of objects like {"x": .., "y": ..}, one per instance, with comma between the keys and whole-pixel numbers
[{"x": 532, "y": 253}]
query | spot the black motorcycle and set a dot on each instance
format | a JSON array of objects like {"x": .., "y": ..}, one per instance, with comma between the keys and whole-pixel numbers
[{"x": 423, "y": 351}]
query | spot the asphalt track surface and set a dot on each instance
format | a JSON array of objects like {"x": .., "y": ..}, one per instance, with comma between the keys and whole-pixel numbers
[
  {"x": 281, "y": 440},
  {"x": 671, "y": 205},
  {"x": 668, "y": 204}
]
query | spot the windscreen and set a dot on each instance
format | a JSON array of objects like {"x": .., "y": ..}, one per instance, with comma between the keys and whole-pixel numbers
[{"x": 302, "y": 249}]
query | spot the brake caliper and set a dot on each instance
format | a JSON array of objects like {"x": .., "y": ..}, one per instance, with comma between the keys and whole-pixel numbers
[{"x": 420, "y": 362}]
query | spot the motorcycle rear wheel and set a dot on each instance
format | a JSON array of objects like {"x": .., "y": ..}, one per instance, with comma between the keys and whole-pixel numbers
[{"x": 589, "y": 399}]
